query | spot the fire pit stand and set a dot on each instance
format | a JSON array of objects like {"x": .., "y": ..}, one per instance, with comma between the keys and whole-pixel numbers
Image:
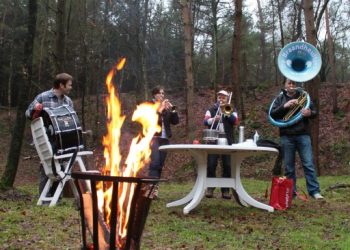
[{"x": 93, "y": 221}]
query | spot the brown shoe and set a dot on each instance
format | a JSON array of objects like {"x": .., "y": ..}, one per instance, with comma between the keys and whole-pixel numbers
[
  {"x": 226, "y": 195},
  {"x": 209, "y": 193}
]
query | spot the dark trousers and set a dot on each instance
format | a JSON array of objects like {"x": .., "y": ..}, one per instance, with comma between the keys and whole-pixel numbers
[
  {"x": 226, "y": 167},
  {"x": 157, "y": 157}
]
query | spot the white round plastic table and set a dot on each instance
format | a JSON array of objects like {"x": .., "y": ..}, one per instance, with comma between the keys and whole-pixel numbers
[{"x": 238, "y": 153}]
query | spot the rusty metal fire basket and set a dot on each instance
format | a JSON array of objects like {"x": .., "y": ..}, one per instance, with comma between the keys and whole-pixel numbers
[{"x": 102, "y": 232}]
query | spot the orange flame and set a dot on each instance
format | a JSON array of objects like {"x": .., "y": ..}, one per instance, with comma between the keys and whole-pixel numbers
[{"x": 139, "y": 152}]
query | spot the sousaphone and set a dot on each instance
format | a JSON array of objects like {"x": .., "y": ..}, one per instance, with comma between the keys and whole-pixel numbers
[{"x": 299, "y": 62}]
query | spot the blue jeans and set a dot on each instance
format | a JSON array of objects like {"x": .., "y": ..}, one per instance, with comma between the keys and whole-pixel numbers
[
  {"x": 157, "y": 157},
  {"x": 302, "y": 145},
  {"x": 226, "y": 167}
]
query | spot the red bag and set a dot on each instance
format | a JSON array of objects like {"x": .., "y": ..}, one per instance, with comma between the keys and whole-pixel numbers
[{"x": 281, "y": 193}]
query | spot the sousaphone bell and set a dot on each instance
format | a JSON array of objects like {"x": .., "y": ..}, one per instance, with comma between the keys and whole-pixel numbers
[{"x": 299, "y": 61}]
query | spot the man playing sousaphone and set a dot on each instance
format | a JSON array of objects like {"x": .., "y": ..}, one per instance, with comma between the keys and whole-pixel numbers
[
  {"x": 296, "y": 136},
  {"x": 217, "y": 117}
]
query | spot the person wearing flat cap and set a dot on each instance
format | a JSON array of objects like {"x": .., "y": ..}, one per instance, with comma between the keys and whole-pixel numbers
[{"x": 224, "y": 122}]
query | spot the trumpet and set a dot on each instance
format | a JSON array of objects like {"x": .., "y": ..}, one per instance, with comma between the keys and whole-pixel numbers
[
  {"x": 169, "y": 106},
  {"x": 300, "y": 104}
]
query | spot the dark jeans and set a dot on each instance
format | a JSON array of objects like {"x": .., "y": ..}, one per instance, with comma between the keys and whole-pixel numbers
[
  {"x": 157, "y": 157},
  {"x": 226, "y": 167},
  {"x": 302, "y": 145}
]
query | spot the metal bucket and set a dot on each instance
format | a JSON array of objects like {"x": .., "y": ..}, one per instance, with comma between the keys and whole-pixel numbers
[{"x": 210, "y": 135}]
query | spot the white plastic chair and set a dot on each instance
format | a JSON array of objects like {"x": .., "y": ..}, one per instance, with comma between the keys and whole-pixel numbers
[{"x": 62, "y": 164}]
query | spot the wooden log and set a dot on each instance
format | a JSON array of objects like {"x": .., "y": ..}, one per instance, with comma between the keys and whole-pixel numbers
[{"x": 103, "y": 230}]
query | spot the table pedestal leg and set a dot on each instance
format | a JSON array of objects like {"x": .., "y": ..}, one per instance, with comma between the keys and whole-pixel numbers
[
  {"x": 242, "y": 194},
  {"x": 198, "y": 196},
  {"x": 197, "y": 192},
  {"x": 201, "y": 159},
  {"x": 187, "y": 198}
]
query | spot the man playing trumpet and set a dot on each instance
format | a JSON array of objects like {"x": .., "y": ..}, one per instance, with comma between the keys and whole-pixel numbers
[
  {"x": 296, "y": 137},
  {"x": 167, "y": 116},
  {"x": 218, "y": 117}
]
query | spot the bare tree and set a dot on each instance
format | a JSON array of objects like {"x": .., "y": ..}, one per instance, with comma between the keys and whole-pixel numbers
[
  {"x": 143, "y": 49},
  {"x": 60, "y": 50},
  {"x": 214, "y": 23},
  {"x": 331, "y": 61},
  {"x": 235, "y": 59},
  {"x": 313, "y": 86},
  {"x": 188, "y": 26},
  {"x": 263, "y": 55},
  {"x": 280, "y": 21},
  {"x": 272, "y": 2},
  {"x": 9, "y": 175}
]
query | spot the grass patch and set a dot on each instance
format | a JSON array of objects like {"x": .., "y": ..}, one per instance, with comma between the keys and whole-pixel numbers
[{"x": 214, "y": 224}]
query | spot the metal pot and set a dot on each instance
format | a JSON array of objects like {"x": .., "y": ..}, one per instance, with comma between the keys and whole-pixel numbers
[{"x": 210, "y": 135}]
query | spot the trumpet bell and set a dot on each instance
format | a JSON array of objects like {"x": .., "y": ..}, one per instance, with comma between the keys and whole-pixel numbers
[{"x": 299, "y": 61}]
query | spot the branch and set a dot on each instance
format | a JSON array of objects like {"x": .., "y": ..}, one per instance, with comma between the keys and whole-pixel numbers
[
  {"x": 319, "y": 16},
  {"x": 338, "y": 185}
]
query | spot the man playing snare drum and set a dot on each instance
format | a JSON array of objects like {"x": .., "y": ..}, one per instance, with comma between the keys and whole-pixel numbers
[{"x": 55, "y": 97}]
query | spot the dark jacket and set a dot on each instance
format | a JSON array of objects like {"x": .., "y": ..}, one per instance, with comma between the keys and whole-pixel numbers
[
  {"x": 228, "y": 122},
  {"x": 302, "y": 127},
  {"x": 168, "y": 117}
]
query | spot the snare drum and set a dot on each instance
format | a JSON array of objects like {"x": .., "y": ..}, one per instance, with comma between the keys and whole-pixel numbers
[{"x": 63, "y": 129}]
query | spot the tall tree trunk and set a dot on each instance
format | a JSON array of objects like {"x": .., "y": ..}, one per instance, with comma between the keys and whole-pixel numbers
[
  {"x": 263, "y": 55},
  {"x": 280, "y": 21},
  {"x": 84, "y": 55},
  {"x": 299, "y": 9},
  {"x": 244, "y": 79},
  {"x": 187, "y": 20},
  {"x": 274, "y": 42},
  {"x": 60, "y": 51},
  {"x": 331, "y": 62},
  {"x": 235, "y": 59},
  {"x": 9, "y": 175},
  {"x": 143, "y": 51},
  {"x": 314, "y": 84},
  {"x": 43, "y": 41},
  {"x": 9, "y": 92},
  {"x": 103, "y": 55},
  {"x": 215, "y": 49}
]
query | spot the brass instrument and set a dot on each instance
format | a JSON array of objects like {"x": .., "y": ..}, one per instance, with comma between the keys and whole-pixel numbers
[
  {"x": 300, "y": 104},
  {"x": 300, "y": 62},
  {"x": 227, "y": 109}
]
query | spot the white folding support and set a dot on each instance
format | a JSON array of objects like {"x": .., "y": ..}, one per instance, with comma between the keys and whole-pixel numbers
[{"x": 61, "y": 164}]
